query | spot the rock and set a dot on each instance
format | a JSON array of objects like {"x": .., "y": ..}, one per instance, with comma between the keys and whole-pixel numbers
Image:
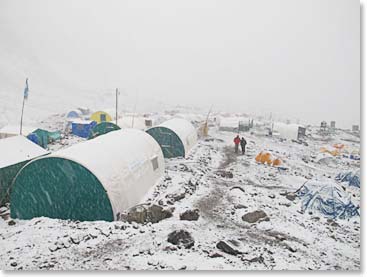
[
  {"x": 176, "y": 196},
  {"x": 240, "y": 206},
  {"x": 225, "y": 174},
  {"x": 228, "y": 247},
  {"x": 291, "y": 196},
  {"x": 272, "y": 196},
  {"x": 147, "y": 213},
  {"x": 237, "y": 187},
  {"x": 181, "y": 238},
  {"x": 11, "y": 222},
  {"x": 14, "y": 264},
  {"x": 190, "y": 215},
  {"x": 255, "y": 216},
  {"x": 215, "y": 255}
]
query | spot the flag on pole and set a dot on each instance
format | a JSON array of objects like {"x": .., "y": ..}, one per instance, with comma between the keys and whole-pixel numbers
[{"x": 26, "y": 89}]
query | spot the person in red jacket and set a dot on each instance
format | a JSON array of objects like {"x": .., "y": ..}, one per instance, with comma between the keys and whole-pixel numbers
[{"x": 236, "y": 141}]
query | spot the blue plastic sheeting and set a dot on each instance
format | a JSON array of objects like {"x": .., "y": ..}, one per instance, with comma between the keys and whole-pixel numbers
[
  {"x": 33, "y": 137},
  {"x": 82, "y": 129},
  {"x": 328, "y": 199},
  {"x": 352, "y": 178}
]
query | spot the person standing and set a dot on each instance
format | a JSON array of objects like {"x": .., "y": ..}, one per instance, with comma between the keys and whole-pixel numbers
[
  {"x": 243, "y": 145},
  {"x": 236, "y": 141}
]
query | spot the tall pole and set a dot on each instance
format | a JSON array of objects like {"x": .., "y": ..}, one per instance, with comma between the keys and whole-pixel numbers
[
  {"x": 21, "y": 119},
  {"x": 117, "y": 91},
  {"x": 25, "y": 96}
]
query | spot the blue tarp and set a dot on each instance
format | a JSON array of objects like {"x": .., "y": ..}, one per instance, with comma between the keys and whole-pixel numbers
[
  {"x": 329, "y": 199},
  {"x": 352, "y": 178},
  {"x": 82, "y": 129}
]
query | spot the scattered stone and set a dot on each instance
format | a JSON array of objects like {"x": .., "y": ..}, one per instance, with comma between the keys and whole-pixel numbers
[
  {"x": 215, "y": 255},
  {"x": 272, "y": 196},
  {"x": 255, "y": 216},
  {"x": 228, "y": 247},
  {"x": 11, "y": 222},
  {"x": 224, "y": 174},
  {"x": 176, "y": 196},
  {"x": 14, "y": 264},
  {"x": 283, "y": 193},
  {"x": 181, "y": 238},
  {"x": 291, "y": 196},
  {"x": 147, "y": 213},
  {"x": 190, "y": 215},
  {"x": 237, "y": 187},
  {"x": 259, "y": 259},
  {"x": 240, "y": 206},
  {"x": 291, "y": 249}
]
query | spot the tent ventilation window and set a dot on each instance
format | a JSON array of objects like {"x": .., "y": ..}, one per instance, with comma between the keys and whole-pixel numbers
[{"x": 155, "y": 163}]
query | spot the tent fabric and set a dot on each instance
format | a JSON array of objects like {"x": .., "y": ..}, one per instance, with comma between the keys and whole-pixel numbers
[
  {"x": 100, "y": 116},
  {"x": 328, "y": 199},
  {"x": 288, "y": 131},
  {"x": 102, "y": 128},
  {"x": 82, "y": 128},
  {"x": 176, "y": 137},
  {"x": 74, "y": 114},
  {"x": 14, "y": 130},
  {"x": 15, "y": 153},
  {"x": 44, "y": 137},
  {"x": 122, "y": 165},
  {"x": 132, "y": 122},
  {"x": 266, "y": 158},
  {"x": 352, "y": 178}
]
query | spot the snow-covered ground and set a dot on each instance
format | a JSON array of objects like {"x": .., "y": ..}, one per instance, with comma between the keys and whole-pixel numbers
[{"x": 222, "y": 186}]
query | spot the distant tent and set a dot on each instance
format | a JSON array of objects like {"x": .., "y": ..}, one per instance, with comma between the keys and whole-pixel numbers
[
  {"x": 74, "y": 114},
  {"x": 176, "y": 137},
  {"x": 15, "y": 153},
  {"x": 102, "y": 128},
  {"x": 13, "y": 130},
  {"x": 100, "y": 116},
  {"x": 44, "y": 137},
  {"x": 82, "y": 128},
  {"x": 289, "y": 131},
  {"x": 98, "y": 179},
  {"x": 135, "y": 122}
]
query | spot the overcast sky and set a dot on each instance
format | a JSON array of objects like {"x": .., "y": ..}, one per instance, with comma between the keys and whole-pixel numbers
[{"x": 296, "y": 58}]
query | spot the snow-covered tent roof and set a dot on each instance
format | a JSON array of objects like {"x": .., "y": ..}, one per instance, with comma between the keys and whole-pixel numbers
[
  {"x": 94, "y": 180},
  {"x": 176, "y": 137},
  {"x": 132, "y": 122},
  {"x": 287, "y": 131},
  {"x": 18, "y": 149},
  {"x": 13, "y": 130},
  {"x": 15, "y": 152}
]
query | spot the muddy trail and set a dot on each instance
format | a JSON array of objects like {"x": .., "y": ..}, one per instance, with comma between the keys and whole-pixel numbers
[{"x": 217, "y": 207}]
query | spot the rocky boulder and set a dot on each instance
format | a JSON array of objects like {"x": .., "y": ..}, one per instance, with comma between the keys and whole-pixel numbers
[
  {"x": 190, "y": 215},
  {"x": 229, "y": 247},
  {"x": 147, "y": 213},
  {"x": 181, "y": 238},
  {"x": 256, "y": 216}
]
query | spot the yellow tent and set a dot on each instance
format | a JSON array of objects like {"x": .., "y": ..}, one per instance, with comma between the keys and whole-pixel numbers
[
  {"x": 267, "y": 158},
  {"x": 100, "y": 116}
]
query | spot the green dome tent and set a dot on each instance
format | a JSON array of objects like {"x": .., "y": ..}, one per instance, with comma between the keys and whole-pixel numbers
[
  {"x": 175, "y": 136},
  {"x": 102, "y": 128},
  {"x": 94, "y": 180}
]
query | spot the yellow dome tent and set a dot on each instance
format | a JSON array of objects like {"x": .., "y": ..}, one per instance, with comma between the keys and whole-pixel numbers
[
  {"x": 267, "y": 158},
  {"x": 100, "y": 116}
]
